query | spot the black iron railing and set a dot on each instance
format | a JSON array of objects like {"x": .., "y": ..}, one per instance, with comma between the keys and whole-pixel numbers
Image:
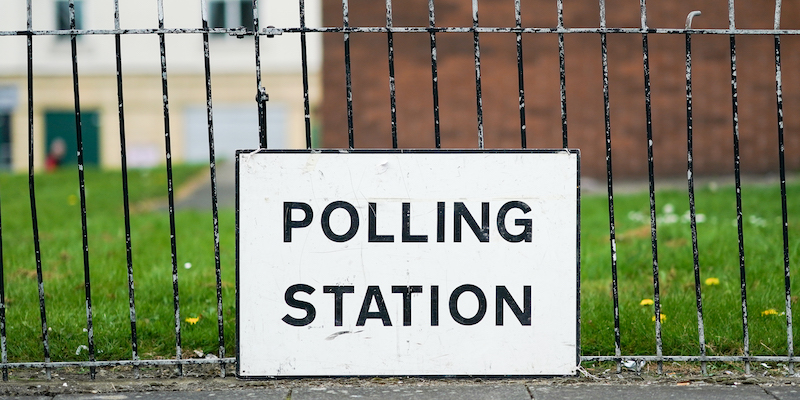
[{"x": 390, "y": 30}]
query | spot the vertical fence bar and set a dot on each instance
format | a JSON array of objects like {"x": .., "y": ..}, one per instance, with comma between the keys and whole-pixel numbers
[
  {"x": 784, "y": 209},
  {"x": 3, "y": 348},
  {"x": 348, "y": 78},
  {"x": 170, "y": 191},
  {"x": 32, "y": 191},
  {"x": 690, "y": 179},
  {"x": 611, "y": 220},
  {"x": 434, "y": 74},
  {"x": 653, "y": 235},
  {"x": 82, "y": 186},
  {"x": 562, "y": 73},
  {"x": 477, "y": 48},
  {"x": 3, "y": 342},
  {"x": 212, "y": 165},
  {"x": 393, "y": 103},
  {"x": 737, "y": 173},
  {"x": 125, "y": 200},
  {"x": 261, "y": 93},
  {"x": 521, "y": 78},
  {"x": 304, "y": 66}
]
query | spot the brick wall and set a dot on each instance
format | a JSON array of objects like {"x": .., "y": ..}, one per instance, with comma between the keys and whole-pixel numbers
[{"x": 713, "y": 141}]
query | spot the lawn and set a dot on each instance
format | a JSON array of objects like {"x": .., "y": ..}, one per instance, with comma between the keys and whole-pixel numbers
[
  {"x": 62, "y": 264},
  {"x": 718, "y": 259},
  {"x": 59, "y": 219}
]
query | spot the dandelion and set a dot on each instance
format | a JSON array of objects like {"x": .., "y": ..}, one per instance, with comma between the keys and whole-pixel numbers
[
  {"x": 770, "y": 311},
  {"x": 636, "y": 216},
  {"x": 663, "y": 318},
  {"x": 72, "y": 199},
  {"x": 757, "y": 221},
  {"x": 81, "y": 348},
  {"x": 712, "y": 281},
  {"x": 669, "y": 219},
  {"x": 646, "y": 302},
  {"x": 192, "y": 320},
  {"x": 698, "y": 218}
]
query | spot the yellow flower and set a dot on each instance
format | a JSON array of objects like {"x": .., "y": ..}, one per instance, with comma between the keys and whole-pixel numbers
[
  {"x": 646, "y": 302},
  {"x": 712, "y": 281},
  {"x": 663, "y": 318},
  {"x": 72, "y": 199},
  {"x": 771, "y": 311},
  {"x": 192, "y": 321}
]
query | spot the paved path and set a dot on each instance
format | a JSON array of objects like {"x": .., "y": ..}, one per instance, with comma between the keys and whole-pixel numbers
[
  {"x": 196, "y": 194},
  {"x": 486, "y": 391}
]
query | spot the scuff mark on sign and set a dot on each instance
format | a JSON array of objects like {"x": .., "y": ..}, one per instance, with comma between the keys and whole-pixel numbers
[
  {"x": 340, "y": 333},
  {"x": 382, "y": 166}
]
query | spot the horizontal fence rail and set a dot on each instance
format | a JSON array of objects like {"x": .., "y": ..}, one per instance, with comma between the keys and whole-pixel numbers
[
  {"x": 433, "y": 32},
  {"x": 401, "y": 29}
]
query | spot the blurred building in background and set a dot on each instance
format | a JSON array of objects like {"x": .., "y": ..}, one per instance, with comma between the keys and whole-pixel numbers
[
  {"x": 232, "y": 74},
  {"x": 713, "y": 126}
]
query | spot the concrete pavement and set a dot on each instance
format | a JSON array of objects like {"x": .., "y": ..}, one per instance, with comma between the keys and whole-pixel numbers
[
  {"x": 536, "y": 390},
  {"x": 196, "y": 193}
]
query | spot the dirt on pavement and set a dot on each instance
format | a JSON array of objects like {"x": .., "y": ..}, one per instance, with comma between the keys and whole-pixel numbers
[{"x": 33, "y": 382}]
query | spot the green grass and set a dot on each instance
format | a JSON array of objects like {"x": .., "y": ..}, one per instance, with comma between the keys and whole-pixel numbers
[
  {"x": 62, "y": 265},
  {"x": 58, "y": 209},
  {"x": 719, "y": 258}
]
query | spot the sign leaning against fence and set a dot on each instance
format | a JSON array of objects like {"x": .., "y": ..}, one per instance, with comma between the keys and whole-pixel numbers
[{"x": 408, "y": 263}]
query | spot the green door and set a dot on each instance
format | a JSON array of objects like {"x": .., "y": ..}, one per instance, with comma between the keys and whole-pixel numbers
[{"x": 61, "y": 125}]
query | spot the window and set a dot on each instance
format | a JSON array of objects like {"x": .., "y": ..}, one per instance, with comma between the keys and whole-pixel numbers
[
  {"x": 8, "y": 101},
  {"x": 230, "y": 14},
  {"x": 62, "y": 15},
  {"x": 5, "y": 140}
]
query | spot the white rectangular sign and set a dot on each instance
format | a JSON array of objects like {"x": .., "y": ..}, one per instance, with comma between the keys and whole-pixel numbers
[{"x": 407, "y": 263}]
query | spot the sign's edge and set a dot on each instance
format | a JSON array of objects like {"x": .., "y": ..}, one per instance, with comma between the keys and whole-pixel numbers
[
  {"x": 236, "y": 263},
  {"x": 440, "y": 376},
  {"x": 409, "y": 151},
  {"x": 578, "y": 266},
  {"x": 576, "y": 152}
]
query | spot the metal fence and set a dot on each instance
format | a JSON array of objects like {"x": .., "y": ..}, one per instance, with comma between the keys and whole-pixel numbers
[{"x": 259, "y": 33}]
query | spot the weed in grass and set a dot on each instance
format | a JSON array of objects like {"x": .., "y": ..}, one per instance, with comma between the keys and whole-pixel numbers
[
  {"x": 62, "y": 266},
  {"x": 719, "y": 271}
]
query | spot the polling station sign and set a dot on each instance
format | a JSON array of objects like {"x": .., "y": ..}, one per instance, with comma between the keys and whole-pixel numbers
[{"x": 429, "y": 263}]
